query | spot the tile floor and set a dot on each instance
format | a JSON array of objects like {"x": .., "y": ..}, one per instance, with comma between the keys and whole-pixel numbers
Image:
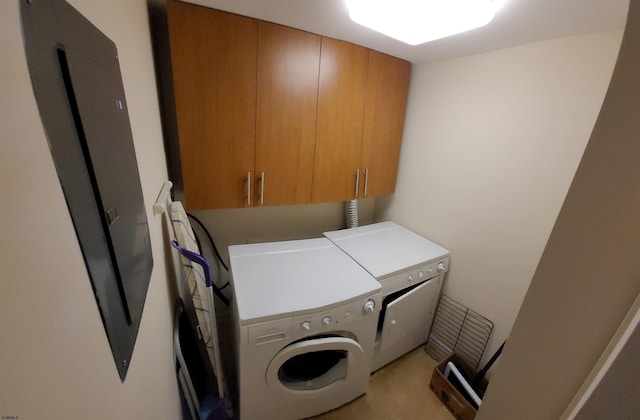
[{"x": 398, "y": 391}]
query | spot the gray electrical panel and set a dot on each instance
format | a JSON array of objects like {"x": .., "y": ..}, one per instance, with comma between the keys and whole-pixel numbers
[{"x": 78, "y": 87}]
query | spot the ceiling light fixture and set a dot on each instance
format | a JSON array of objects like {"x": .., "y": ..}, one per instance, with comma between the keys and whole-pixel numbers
[{"x": 418, "y": 21}]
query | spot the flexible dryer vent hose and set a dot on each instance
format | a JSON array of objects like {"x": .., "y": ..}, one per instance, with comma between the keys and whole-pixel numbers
[{"x": 352, "y": 213}]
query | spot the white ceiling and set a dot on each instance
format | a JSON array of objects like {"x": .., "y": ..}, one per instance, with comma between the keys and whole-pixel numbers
[{"x": 518, "y": 22}]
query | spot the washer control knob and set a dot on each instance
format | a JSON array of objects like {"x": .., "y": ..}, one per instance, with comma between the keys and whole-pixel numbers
[
  {"x": 430, "y": 271},
  {"x": 410, "y": 277},
  {"x": 369, "y": 306},
  {"x": 326, "y": 320},
  {"x": 306, "y": 325},
  {"x": 420, "y": 274},
  {"x": 441, "y": 267}
]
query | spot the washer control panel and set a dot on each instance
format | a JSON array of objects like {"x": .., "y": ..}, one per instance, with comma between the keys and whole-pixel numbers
[
  {"x": 331, "y": 319},
  {"x": 335, "y": 318}
]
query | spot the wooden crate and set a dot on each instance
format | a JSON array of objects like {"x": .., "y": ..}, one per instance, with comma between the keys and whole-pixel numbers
[{"x": 448, "y": 394}]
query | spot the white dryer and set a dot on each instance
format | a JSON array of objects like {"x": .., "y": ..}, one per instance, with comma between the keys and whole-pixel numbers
[
  {"x": 410, "y": 269},
  {"x": 305, "y": 319}
]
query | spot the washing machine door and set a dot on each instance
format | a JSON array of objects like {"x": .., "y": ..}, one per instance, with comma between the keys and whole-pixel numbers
[{"x": 316, "y": 365}]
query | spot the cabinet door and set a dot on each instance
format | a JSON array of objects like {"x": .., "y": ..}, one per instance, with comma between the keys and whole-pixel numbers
[
  {"x": 387, "y": 88},
  {"x": 214, "y": 58},
  {"x": 341, "y": 95},
  {"x": 288, "y": 67}
]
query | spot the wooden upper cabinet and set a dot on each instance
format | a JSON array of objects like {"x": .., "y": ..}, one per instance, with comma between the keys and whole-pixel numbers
[
  {"x": 270, "y": 115},
  {"x": 288, "y": 67},
  {"x": 341, "y": 99},
  {"x": 387, "y": 88},
  {"x": 214, "y": 58}
]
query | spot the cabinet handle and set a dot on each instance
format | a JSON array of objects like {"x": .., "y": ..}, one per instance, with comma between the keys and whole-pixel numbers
[
  {"x": 261, "y": 187},
  {"x": 249, "y": 188},
  {"x": 366, "y": 180},
  {"x": 357, "y": 181}
]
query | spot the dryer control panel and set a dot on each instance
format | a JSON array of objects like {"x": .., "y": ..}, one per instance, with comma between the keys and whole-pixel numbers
[{"x": 414, "y": 275}]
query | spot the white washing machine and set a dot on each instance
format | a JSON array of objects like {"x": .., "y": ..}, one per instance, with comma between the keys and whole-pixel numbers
[
  {"x": 410, "y": 269},
  {"x": 305, "y": 317}
]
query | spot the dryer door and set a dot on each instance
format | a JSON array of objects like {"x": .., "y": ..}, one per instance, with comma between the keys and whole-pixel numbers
[
  {"x": 407, "y": 320},
  {"x": 316, "y": 365}
]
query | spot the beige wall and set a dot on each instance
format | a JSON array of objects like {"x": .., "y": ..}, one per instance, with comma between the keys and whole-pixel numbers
[
  {"x": 55, "y": 360},
  {"x": 589, "y": 273},
  {"x": 617, "y": 370},
  {"x": 491, "y": 144},
  {"x": 280, "y": 223}
]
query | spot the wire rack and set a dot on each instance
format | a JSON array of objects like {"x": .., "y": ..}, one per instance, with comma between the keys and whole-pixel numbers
[{"x": 458, "y": 329}]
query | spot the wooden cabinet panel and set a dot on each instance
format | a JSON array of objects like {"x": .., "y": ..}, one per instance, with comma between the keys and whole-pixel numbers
[
  {"x": 387, "y": 88},
  {"x": 341, "y": 96},
  {"x": 254, "y": 97},
  {"x": 213, "y": 58},
  {"x": 288, "y": 67}
]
